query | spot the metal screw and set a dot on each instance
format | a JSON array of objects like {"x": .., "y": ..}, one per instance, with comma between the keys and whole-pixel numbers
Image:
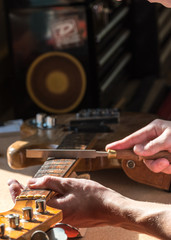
[{"x": 130, "y": 164}]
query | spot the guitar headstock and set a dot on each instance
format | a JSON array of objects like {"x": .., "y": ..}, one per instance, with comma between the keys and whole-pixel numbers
[{"x": 26, "y": 217}]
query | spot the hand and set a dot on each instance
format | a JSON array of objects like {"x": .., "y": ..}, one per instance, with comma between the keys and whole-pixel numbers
[
  {"x": 166, "y": 3},
  {"x": 84, "y": 203},
  {"x": 147, "y": 141}
]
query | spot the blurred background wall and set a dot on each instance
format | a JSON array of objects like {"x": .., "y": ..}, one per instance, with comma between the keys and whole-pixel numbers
[{"x": 62, "y": 56}]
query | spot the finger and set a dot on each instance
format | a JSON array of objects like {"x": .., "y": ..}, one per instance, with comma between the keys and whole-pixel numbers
[
  {"x": 158, "y": 165},
  {"x": 164, "y": 3},
  {"x": 158, "y": 144},
  {"x": 14, "y": 181},
  {"x": 60, "y": 202},
  {"x": 15, "y": 188},
  {"x": 167, "y": 170},
  {"x": 53, "y": 183},
  {"x": 143, "y": 135}
]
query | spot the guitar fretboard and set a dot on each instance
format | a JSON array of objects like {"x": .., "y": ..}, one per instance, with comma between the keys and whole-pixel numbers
[{"x": 58, "y": 167}]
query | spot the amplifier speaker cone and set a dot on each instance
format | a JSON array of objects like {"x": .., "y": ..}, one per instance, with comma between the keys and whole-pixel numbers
[{"x": 56, "y": 82}]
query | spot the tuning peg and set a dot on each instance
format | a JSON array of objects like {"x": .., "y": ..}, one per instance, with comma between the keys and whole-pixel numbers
[
  {"x": 2, "y": 230},
  {"x": 27, "y": 213},
  {"x": 14, "y": 220},
  {"x": 41, "y": 205},
  {"x": 39, "y": 235}
]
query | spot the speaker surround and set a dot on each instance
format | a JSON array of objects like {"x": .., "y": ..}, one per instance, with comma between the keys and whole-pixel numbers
[{"x": 56, "y": 82}]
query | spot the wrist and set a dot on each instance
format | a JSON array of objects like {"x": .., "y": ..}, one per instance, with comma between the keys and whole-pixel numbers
[{"x": 115, "y": 208}]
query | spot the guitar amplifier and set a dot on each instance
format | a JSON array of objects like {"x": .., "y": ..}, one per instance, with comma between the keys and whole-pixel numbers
[{"x": 67, "y": 55}]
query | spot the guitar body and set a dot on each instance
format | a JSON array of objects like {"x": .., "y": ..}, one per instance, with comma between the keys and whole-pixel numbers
[{"x": 85, "y": 133}]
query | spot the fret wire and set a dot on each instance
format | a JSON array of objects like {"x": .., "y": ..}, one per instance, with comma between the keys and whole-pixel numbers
[
  {"x": 56, "y": 171},
  {"x": 57, "y": 168},
  {"x": 51, "y": 174},
  {"x": 60, "y": 161},
  {"x": 71, "y": 141},
  {"x": 57, "y": 165},
  {"x": 48, "y": 166}
]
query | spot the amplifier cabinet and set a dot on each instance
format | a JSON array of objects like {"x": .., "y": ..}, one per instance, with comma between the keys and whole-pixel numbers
[{"x": 67, "y": 55}]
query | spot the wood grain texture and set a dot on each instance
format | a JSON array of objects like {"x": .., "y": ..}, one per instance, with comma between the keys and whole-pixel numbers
[
  {"x": 115, "y": 179},
  {"x": 33, "y": 137},
  {"x": 26, "y": 228}
]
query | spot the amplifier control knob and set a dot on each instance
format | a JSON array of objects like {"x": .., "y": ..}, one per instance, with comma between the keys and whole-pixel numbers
[
  {"x": 51, "y": 121},
  {"x": 40, "y": 119}
]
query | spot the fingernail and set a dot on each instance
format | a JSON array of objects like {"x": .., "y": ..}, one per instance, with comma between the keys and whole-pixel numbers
[
  {"x": 107, "y": 146},
  {"x": 139, "y": 148}
]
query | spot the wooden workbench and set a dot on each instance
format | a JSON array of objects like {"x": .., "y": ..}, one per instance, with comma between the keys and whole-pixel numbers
[{"x": 113, "y": 178}]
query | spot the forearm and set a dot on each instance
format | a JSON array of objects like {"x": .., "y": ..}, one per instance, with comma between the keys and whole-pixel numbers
[
  {"x": 149, "y": 218},
  {"x": 86, "y": 203}
]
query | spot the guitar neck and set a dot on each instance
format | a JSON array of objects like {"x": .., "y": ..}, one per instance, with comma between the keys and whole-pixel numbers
[
  {"x": 58, "y": 167},
  {"x": 26, "y": 201},
  {"x": 52, "y": 167}
]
